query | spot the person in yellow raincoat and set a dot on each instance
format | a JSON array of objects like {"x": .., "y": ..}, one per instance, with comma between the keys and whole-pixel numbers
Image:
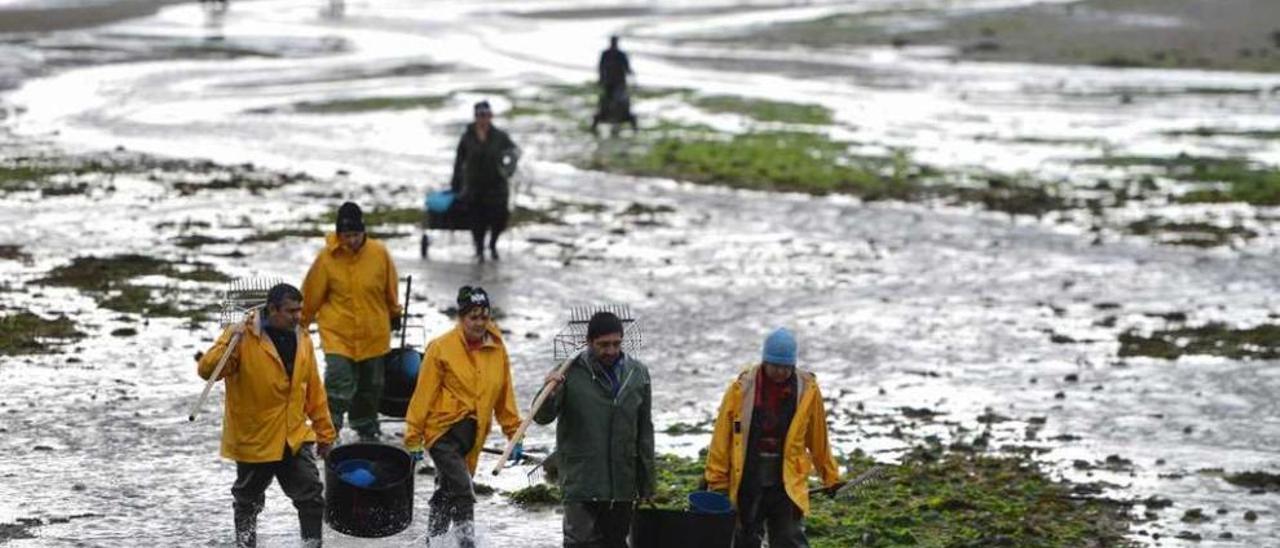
[
  {"x": 464, "y": 382},
  {"x": 351, "y": 291},
  {"x": 273, "y": 389},
  {"x": 770, "y": 433}
]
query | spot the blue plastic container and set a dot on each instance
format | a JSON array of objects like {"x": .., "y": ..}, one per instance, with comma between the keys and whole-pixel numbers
[
  {"x": 410, "y": 363},
  {"x": 357, "y": 472},
  {"x": 709, "y": 502},
  {"x": 439, "y": 201},
  {"x": 400, "y": 379}
]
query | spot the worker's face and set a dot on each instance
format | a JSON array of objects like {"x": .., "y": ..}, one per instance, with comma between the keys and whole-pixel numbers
[
  {"x": 474, "y": 322},
  {"x": 484, "y": 120},
  {"x": 777, "y": 373},
  {"x": 285, "y": 316},
  {"x": 351, "y": 240},
  {"x": 607, "y": 348}
]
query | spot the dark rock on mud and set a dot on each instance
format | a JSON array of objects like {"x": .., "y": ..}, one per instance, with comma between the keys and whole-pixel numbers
[
  {"x": 1255, "y": 480},
  {"x": 14, "y": 253},
  {"x": 1195, "y": 515},
  {"x": 17, "y": 531}
]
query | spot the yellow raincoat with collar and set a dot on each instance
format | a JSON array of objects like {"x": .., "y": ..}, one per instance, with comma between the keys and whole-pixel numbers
[
  {"x": 352, "y": 296},
  {"x": 265, "y": 408},
  {"x": 804, "y": 449},
  {"x": 455, "y": 383}
]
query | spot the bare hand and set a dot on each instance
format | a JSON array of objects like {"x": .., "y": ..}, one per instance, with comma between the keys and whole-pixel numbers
[{"x": 554, "y": 376}]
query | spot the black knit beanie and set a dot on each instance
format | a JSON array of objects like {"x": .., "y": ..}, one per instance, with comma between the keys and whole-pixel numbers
[
  {"x": 603, "y": 323},
  {"x": 471, "y": 297},
  {"x": 350, "y": 219}
]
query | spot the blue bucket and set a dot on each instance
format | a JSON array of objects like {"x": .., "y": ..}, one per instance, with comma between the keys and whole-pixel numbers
[
  {"x": 439, "y": 201},
  {"x": 709, "y": 502},
  {"x": 357, "y": 472},
  {"x": 410, "y": 363}
]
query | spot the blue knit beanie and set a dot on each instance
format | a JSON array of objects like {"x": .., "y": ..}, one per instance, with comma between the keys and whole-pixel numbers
[{"x": 780, "y": 348}]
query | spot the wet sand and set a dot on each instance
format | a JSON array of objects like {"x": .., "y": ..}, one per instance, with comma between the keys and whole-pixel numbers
[
  {"x": 1241, "y": 35},
  {"x": 24, "y": 19}
]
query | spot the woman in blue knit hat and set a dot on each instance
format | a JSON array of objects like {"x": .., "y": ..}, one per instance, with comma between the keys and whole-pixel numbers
[{"x": 770, "y": 433}]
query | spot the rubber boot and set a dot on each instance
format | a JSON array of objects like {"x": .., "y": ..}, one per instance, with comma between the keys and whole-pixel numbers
[
  {"x": 246, "y": 530},
  {"x": 312, "y": 525}
]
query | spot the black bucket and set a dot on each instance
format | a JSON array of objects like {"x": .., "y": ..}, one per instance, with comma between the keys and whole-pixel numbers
[
  {"x": 657, "y": 528},
  {"x": 384, "y": 507},
  {"x": 401, "y": 378}
]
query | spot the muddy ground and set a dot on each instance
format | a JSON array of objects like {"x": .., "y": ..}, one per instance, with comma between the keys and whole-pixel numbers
[
  {"x": 1238, "y": 35},
  {"x": 1084, "y": 284}
]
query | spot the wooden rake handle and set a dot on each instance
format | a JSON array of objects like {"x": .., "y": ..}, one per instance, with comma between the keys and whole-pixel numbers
[
  {"x": 547, "y": 389},
  {"x": 208, "y": 385}
]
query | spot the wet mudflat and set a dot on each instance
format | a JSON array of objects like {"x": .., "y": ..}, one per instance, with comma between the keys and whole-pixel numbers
[{"x": 1049, "y": 278}]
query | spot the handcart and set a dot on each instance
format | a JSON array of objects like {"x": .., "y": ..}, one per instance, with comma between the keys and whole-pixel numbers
[{"x": 441, "y": 211}]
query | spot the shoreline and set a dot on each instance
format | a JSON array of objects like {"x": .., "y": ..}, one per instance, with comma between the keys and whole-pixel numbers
[
  {"x": 1234, "y": 35},
  {"x": 35, "y": 20}
]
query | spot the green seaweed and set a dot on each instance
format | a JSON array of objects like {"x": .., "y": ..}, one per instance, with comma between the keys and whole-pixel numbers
[
  {"x": 1197, "y": 234},
  {"x": 535, "y": 496},
  {"x": 790, "y": 161},
  {"x": 104, "y": 273},
  {"x": 765, "y": 110},
  {"x": 107, "y": 280},
  {"x": 371, "y": 104},
  {"x": 1236, "y": 179},
  {"x": 933, "y": 498},
  {"x": 27, "y": 333},
  {"x": 1213, "y": 339},
  {"x": 1255, "y": 480}
]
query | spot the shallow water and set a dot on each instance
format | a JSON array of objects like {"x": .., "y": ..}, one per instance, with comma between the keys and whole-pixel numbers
[{"x": 944, "y": 308}]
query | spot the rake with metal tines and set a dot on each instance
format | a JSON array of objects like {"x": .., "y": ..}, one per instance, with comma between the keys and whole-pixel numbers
[
  {"x": 240, "y": 300},
  {"x": 855, "y": 487},
  {"x": 571, "y": 340}
]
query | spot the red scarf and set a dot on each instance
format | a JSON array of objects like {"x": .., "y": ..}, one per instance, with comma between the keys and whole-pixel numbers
[{"x": 774, "y": 407}]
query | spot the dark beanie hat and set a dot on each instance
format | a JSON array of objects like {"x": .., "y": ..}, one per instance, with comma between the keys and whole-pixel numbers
[
  {"x": 350, "y": 219},
  {"x": 603, "y": 323},
  {"x": 471, "y": 297}
]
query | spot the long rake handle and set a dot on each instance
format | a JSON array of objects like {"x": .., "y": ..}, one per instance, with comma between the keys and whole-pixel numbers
[
  {"x": 404, "y": 312},
  {"x": 547, "y": 389},
  {"x": 208, "y": 385}
]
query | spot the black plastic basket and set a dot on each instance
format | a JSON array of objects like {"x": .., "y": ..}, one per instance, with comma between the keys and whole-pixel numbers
[{"x": 659, "y": 528}]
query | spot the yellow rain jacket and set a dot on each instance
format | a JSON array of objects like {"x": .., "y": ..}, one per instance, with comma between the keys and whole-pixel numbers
[
  {"x": 265, "y": 408},
  {"x": 353, "y": 297},
  {"x": 454, "y": 384},
  {"x": 804, "y": 448}
]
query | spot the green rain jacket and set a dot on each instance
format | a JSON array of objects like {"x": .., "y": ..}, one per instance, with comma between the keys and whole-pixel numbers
[{"x": 604, "y": 443}]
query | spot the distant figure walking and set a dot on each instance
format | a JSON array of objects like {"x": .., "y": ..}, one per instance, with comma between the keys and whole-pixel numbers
[
  {"x": 482, "y": 171},
  {"x": 615, "y": 102},
  {"x": 215, "y": 5}
]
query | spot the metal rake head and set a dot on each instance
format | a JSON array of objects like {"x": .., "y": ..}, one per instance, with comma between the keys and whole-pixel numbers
[
  {"x": 573, "y": 337},
  {"x": 858, "y": 486},
  {"x": 242, "y": 295}
]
